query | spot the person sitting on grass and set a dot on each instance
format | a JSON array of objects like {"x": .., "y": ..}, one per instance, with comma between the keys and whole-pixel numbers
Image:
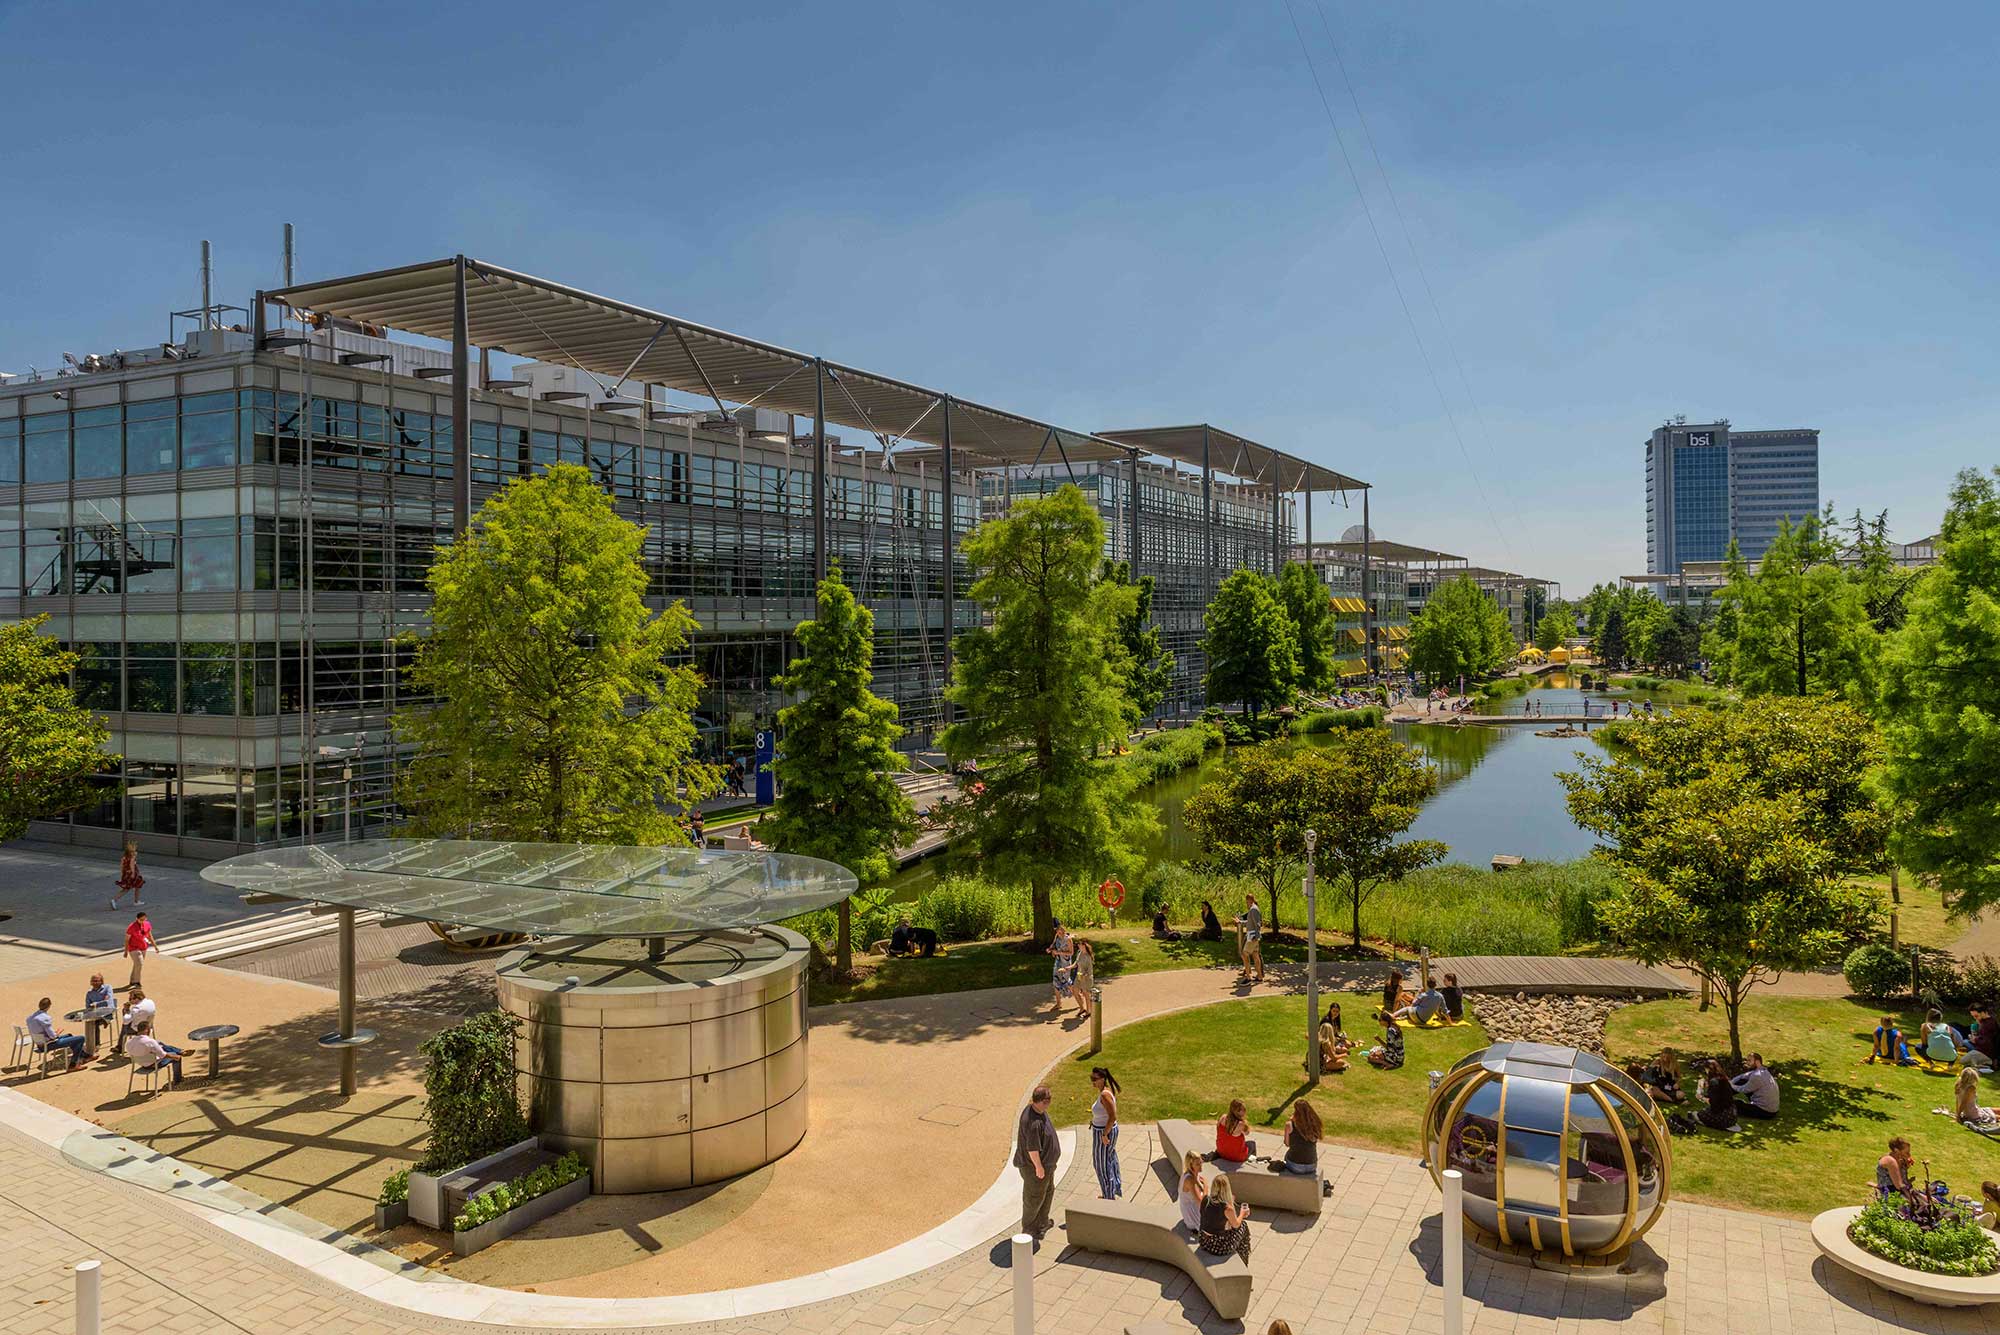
[
  {"x": 1162, "y": 932},
  {"x": 1193, "y": 1195},
  {"x": 1428, "y": 1005},
  {"x": 1333, "y": 1047},
  {"x": 1758, "y": 1087},
  {"x": 1663, "y": 1076},
  {"x": 1454, "y": 998},
  {"x": 1302, "y": 1136},
  {"x": 1989, "y": 1206},
  {"x": 1889, "y": 1044},
  {"x": 1211, "y": 926},
  {"x": 1719, "y": 1100},
  {"x": 1224, "y": 1229},
  {"x": 1938, "y": 1040},
  {"x": 1965, "y": 1105},
  {"x": 1392, "y": 994},
  {"x": 1388, "y": 1054},
  {"x": 1892, "y": 1171},
  {"x": 1231, "y": 1135},
  {"x": 1982, "y": 1048}
]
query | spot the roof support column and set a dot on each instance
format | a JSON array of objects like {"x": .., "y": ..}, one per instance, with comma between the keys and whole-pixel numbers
[
  {"x": 1367, "y": 589},
  {"x": 1308, "y": 499},
  {"x": 1277, "y": 499},
  {"x": 461, "y": 402},
  {"x": 950, "y": 537},
  {"x": 1134, "y": 538},
  {"x": 819, "y": 471},
  {"x": 1208, "y": 511}
]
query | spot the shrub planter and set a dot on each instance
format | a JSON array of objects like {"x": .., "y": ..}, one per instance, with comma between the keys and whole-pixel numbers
[
  {"x": 1829, "y": 1233},
  {"x": 518, "y": 1218},
  {"x": 391, "y": 1216},
  {"x": 426, "y": 1204}
]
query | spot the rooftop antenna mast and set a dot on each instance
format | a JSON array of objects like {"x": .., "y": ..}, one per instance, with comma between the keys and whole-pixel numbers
[
  {"x": 207, "y": 314},
  {"x": 288, "y": 254}
]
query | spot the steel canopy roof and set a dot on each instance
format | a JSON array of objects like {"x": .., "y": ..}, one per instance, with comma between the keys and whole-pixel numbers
[
  {"x": 1235, "y": 455},
  {"x": 1383, "y": 550},
  {"x": 526, "y": 316}
]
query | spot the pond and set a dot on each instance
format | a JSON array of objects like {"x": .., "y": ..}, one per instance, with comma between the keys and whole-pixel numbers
[
  {"x": 1497, "y": 791},
  {"x": 1563, "y": 693}
]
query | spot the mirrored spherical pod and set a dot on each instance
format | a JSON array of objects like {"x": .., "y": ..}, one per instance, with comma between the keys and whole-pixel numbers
[{"x": 1562, "y": 1152}]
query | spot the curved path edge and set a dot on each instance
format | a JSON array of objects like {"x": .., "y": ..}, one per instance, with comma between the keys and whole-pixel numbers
[{"x": 995, "y": 1213}]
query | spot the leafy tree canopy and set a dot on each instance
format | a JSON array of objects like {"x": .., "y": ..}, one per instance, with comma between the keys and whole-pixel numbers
[
  {"x": 558, "y": 715},
  {"x": 1557, "y": 626},
  {"x": 1801, "y": 620},
  {"x": 1374, "y": 788},
  {"x": 50, "y": 745},
  {"x": 1940, "y": 707},
  {"x": 838, "y": 797},
  {"x": 1042, "y": 690},
  {"x": 1252, "y": 646},
  {"x": 1151, "y": 665},
  {"x": 1736, "y": 831},
  {"x": 1460, "y": 631},
  {"x": 1310, "y": 609}
]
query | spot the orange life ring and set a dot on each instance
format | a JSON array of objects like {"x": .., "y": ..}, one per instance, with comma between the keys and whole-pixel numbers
[{"x": 1111, "y": 894}]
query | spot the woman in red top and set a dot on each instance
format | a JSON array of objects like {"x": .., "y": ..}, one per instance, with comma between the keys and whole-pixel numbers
[
  {"x": 138, "y": 940},
  {"x": 1229, "y": 1134},
  {"x": 129, "y": 877}
]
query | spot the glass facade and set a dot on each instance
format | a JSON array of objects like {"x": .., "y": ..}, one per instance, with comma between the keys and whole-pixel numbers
[
  {"x": 1701, "y": 502},
  {"x": 237, "y": 557}
]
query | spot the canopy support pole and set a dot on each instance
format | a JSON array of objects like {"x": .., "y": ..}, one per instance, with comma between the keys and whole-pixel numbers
[
  {"x": 461, "y": 437},
  {"x": 950, "y": 537},
  {"x": 348, "y": 1052},
  {"x": 1134, "y": 459},
  {"x": 819, "y": 472},
  {"x": 1367, "y": 589},
  {"x": 1208, "y": 511}
]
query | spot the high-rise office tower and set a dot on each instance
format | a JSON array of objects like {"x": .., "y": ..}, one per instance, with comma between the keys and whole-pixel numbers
[{"x": 1707, "y": 483}]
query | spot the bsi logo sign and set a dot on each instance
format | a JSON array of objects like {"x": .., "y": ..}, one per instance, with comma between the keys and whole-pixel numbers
[{"x": 1701, "y": 438}]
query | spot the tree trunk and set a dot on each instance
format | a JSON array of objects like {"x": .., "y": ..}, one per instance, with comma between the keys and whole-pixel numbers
[
  {"x": 1732, "y": 1005},
  {"x": 1802, "y": 651},
  {"x": 1274, "y": 908},
  {"x": 1354, "y": 899},
  {"x": 843, "y": 941},
  {"x": 1044, "y": 913}
]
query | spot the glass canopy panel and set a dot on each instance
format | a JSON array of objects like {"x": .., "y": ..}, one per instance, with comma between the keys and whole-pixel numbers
[{"x": 545, "y": 889}]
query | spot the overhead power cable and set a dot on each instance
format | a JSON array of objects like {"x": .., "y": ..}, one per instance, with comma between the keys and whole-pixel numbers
[
  {"x": 1402, "y": 300},
  {"x": 1410, "y": 240}
]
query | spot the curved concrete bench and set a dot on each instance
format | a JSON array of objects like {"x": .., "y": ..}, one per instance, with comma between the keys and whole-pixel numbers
[
  {"x": 1253, "y": 1184},
  {"x": 1157, "y": 1233},
  {"x": 1829, "y": 1233}
]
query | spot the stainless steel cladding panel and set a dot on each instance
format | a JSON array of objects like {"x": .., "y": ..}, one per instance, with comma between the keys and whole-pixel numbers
[{"x": 664, "y": 1073}]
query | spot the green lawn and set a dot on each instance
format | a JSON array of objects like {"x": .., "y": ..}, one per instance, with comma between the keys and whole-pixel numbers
[
  {"x": 1836, "y": 1116},
  {"x": 1191, "y": 1063},
  {"x": 1000, "y": 963},
  {"x": 1922, "y": 920}
]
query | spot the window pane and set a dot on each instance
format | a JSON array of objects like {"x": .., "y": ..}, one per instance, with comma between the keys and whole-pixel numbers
[
  {"x": 208, "y": 803},
  {"x": 208, "y": 440},
  {"x": 149, "y": 798},
  {"x": 149, "y": 445},
  {"x": 149, "y": 685},
  {"x": 10, "y": 451},
  {"x": 208, "y": 678},
  {"x": 47, "y": 454},
  {"x": 98, "y": 450},
  {"x": 101, "y": 811},
  {"x": 100, "y": 675}
]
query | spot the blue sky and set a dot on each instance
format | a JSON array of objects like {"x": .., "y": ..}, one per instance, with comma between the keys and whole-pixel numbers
[{"x": 1113, "y": 215}]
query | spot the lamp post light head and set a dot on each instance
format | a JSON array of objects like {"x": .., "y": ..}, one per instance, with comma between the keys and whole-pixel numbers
[{"x": 1312, "y": 840}]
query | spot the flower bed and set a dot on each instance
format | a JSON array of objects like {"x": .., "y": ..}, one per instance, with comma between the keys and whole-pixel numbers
[{"x": 1932, "y": 1236}]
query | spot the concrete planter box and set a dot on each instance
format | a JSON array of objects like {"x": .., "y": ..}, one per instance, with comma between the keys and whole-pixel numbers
[
  {"x": 391, "y": 1216},
  {"x": 427, "y": 1190},
  {"x": 1829, "y": 1233},
  {"x": 520, "y": 1217}
]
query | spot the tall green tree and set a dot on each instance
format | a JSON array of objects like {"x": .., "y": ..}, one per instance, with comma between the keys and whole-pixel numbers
[
  {"x": 1374, "y": 788},
  {"x": 50, "y": 745},
  {"x": 1802, "y": 624},
  {"x": 1736, "y": 832},
  {"x": 558, "y": 714},
  {"x": 1251, "y": 644},
  {"x": 1151, "y": 664},
  {"x": 1460, "y": 631},
  {"x": 1557, "y": 627},
  {"x": 1250, "y": 818},
  {"x": 1041, "y": 689},
  {"x": 1718, "y": 640},
  {"x": 1676, "y": 643},
  {"x": 1610, "y": 647},
  {"x": 838, "y": 761},
  {"x": 1310, "y": 609},
  {"x": 1940, "y": 707}
]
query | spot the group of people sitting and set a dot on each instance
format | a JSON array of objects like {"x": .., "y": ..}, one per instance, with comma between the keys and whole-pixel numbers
[
  {"x": 906, "y": 939},
  {"x": 135, "y": 1029},
  {"x": 1892, "y": 1179},
  {"x": 1725, "y": 1099},
  {"x": 1940, "y": 1042},
  {"x": 1221, "y": 1226},
  {"x": 1211, "y": 925}
]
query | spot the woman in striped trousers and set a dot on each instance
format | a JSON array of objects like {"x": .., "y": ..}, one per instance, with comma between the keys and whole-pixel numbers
[{"x": 1104, "y": 1134}]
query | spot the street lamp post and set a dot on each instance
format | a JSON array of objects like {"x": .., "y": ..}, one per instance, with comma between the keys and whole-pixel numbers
[{"x": 1312, "y": 963}]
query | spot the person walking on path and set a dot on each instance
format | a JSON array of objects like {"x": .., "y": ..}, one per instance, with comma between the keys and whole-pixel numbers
[
  {"x": 138, "y": 940},
  {"x": 1086, "y": 975},
  {"x": 1251, "y": 926},
  {"x": 1063, "y": 978},
  {"x": 1036, "y": 1152},
  {"x": 1104, "y": 1134},
  {"x": 129, "y": 877}
]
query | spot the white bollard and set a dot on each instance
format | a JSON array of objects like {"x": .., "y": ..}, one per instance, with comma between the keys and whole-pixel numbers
[
  {"x": 1454, "y": 1252},
  {"x": 1024, "y": 1284},
  {"x": 89, "y": 1298}
]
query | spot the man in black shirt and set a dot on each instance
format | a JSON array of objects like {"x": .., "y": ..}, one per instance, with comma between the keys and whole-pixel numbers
[{"x": 1036, "y": 1151}]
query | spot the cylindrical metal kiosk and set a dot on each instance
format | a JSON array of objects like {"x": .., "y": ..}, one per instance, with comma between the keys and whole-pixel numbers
[{"x": 664, "y": 1073}]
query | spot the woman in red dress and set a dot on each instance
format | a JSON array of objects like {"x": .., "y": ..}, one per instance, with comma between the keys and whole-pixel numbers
[{"x": 128, "y": 875}]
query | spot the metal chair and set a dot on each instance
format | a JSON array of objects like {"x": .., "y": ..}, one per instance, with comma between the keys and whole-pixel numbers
[
  {"x": 22, "y": 1044},
  {"x": 151, "y": 1073},
  {"x": 44, "y": 1049}
]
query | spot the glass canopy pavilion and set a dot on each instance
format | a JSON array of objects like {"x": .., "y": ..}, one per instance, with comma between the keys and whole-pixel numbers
[{"x": 663, "y": 1020}]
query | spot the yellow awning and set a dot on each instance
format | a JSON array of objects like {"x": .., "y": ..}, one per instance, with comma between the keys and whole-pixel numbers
[
  {"x": 1353, "y": 669},
  {"x": 1354, "y": 635}
]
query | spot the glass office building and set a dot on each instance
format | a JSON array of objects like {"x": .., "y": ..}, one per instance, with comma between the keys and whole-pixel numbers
[
  {"x": 1709, "y": 483},
  {"x": 235, "y": 538}
]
